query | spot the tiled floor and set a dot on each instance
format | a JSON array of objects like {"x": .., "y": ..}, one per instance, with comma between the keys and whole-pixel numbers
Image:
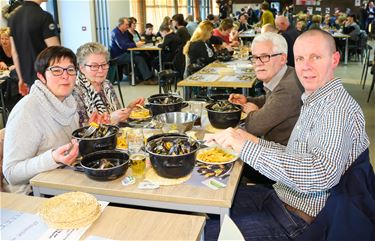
[{"x": 350, "y": 74}]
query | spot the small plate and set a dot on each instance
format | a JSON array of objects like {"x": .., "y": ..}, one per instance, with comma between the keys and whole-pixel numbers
[{"x": 220, "y": 154}]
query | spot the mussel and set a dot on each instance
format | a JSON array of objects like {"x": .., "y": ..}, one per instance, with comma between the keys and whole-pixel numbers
[
  {"x": 224, "y": 106},
  {"x": 178, "y": 146}
]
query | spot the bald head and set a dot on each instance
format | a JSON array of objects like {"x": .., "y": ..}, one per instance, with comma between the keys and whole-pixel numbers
[
  {"x": 328, "y": 39},
  {"x": 282, "y": 23}
]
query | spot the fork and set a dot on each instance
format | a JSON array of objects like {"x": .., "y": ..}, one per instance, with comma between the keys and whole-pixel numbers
[{"x": 88, "y": 132}]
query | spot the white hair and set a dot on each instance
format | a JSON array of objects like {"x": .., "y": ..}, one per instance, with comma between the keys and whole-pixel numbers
[{"x": 279, "y": 44}]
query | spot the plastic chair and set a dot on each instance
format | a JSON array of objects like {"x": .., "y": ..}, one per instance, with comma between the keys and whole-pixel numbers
[
  {"x": 166, "y": 79},
  {"x": 114, "y": 77},
  {"x": 229, "y": 230}
]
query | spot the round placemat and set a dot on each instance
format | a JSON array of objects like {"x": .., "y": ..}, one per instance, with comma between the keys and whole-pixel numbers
[{"x": 153, "y": 177}]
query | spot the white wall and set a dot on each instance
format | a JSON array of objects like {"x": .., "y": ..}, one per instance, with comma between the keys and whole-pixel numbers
[
  {"x": 74, "y": 16},
  {"x": 116, "y": 10}
]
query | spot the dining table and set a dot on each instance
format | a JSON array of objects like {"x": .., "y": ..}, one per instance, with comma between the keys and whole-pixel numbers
[
  {"x": 190, "y": 196},
  {"x": 145, "y": 47},
  {"x": 345, "y": 37},
  {"x": 114, "y": 223},
  {"x": 237, "y": 73}
]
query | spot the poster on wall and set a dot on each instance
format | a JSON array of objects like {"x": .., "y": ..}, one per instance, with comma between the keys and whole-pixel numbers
[
  {"x": 310, "y": 9},
  {"x": 357, "y": 3},
  {"x": 300, "y": 2},
  {"x": 318, "y": 9},
  {"x": 328, "y": 11},
  {"x": 308, "y": 2}
]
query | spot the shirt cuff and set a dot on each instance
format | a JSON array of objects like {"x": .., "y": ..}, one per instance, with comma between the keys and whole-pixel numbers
[{"x": 250, "y": 153}]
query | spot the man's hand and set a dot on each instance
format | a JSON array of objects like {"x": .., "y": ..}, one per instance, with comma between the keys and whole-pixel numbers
[
  {"x": 70, "y": 157},
  {"x": 23, "y": 89},
  {"x": 140, "y": 44},
  {"x": 249, "y": 107},
  {"x": 237, "y": 99}
]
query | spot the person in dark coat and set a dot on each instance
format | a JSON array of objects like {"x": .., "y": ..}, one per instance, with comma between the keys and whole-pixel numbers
[{"x": 289, "y": 33}]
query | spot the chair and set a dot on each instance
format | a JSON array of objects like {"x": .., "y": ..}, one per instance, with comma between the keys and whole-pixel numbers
[
  {"x": 358, "y": 48},
  {"x": 3, "y": 109},
  {"x": 371, "y": 88},
  {"x": 114, "y": 77},
  {"x": 366, "y": 64},
  {"x": 166, "y": 79},
  {"x": 229, "y": 230}
]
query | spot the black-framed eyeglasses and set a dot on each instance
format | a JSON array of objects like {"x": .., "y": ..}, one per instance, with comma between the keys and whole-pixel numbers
[
  {"x": 58, "y": 71},
  {"x": 263, "y": 58},
  {"x": 95, "y": 67}
]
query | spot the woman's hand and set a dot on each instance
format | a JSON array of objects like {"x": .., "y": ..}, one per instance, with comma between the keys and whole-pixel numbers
[
  {"x": 59, "y": 156},
  {"x": 134, "y": 103},
  {"x": 120, "y": 115},
  {"x": 12, "y": 67},
  {"x": 3, "y": 66}
]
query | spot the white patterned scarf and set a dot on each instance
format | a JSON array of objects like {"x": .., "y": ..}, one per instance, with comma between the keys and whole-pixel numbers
[{"x": 94, "y": 100}]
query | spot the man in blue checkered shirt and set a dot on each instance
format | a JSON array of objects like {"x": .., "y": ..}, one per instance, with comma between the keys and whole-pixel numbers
[{"x": 327, "y": 138}]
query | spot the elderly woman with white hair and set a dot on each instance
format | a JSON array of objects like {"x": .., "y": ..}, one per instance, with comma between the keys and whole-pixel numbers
[{"x": 95, "y": 95}]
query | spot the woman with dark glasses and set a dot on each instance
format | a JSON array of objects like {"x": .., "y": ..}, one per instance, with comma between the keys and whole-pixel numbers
[{"x": 39, "y": 128}]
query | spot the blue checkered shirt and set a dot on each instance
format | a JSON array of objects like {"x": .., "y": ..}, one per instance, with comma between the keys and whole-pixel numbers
[{"x": 327, "y": 138}]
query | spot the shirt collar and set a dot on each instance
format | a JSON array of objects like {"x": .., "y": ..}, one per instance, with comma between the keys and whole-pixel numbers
[
  {"x": 322, "y": 91},
  {"x": 276, "y": 79}
]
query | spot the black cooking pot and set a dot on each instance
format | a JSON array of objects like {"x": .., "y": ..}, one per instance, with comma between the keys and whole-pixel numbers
[
  {"x": 157, "y": 108},
  {"x": 116, "y": 163},
  {"x": 218, "y": 97},
  {"x": 223, "y": 119},
  {"x": 171, "y": 166},
  {"x": 89, "y": 145}
]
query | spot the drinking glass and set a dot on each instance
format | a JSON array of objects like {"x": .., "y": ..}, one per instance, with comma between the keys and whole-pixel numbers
[
  {"x": 135, "y": 140},
  {"x": 196, "y": 107}
]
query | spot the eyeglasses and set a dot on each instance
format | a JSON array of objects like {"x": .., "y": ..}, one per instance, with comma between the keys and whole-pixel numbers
[
  {"x": 264, "y": 58},
  {"x": 58, "y": 71},
  {"x": 95, "y": 67}
]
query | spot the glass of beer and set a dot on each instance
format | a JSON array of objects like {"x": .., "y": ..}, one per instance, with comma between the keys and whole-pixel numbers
[
  {"x": 138, "y": 164},
  {"x": 143, "y": 39}
]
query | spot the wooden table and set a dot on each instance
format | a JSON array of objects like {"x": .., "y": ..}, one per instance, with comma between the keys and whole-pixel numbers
[
  {"x": 250, "y": 33},
  {"x": 146, "y": 47},
  {"x": 124, "y": 223},
  {"x": 187, "y": 83},
  {"x": 178, "y": 197}
]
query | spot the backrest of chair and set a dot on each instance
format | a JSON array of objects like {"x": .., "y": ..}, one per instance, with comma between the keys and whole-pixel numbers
[
  {"x": 112, "y": 74},
  {"x": 363, "y": 37}
]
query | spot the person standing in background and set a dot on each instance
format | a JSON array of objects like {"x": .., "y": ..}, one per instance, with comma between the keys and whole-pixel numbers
[{"x": 32, "y": 30}]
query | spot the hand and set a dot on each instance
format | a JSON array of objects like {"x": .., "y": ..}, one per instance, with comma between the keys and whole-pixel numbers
[
  {"x": 23, "y": 89},
  {"x": 249, "y": 107},
  {"x": 140, "y": 44},
  {"x": 3, "y": 66},
  {"x": 139, "y": 101},
  {"x": 58, "y": 155},
  {"x": 237, "y": 99},
  {"x": 12, "y": 67},
  {"x": 228, "y": 138},
  {"x": 120, "y": 115}
]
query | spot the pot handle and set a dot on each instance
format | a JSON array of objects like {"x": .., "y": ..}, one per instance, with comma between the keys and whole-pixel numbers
[
  {"x": 184, "y": 104},
  {"x": 79, "y": 168},
  {"x": 169, "y": 165}
]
